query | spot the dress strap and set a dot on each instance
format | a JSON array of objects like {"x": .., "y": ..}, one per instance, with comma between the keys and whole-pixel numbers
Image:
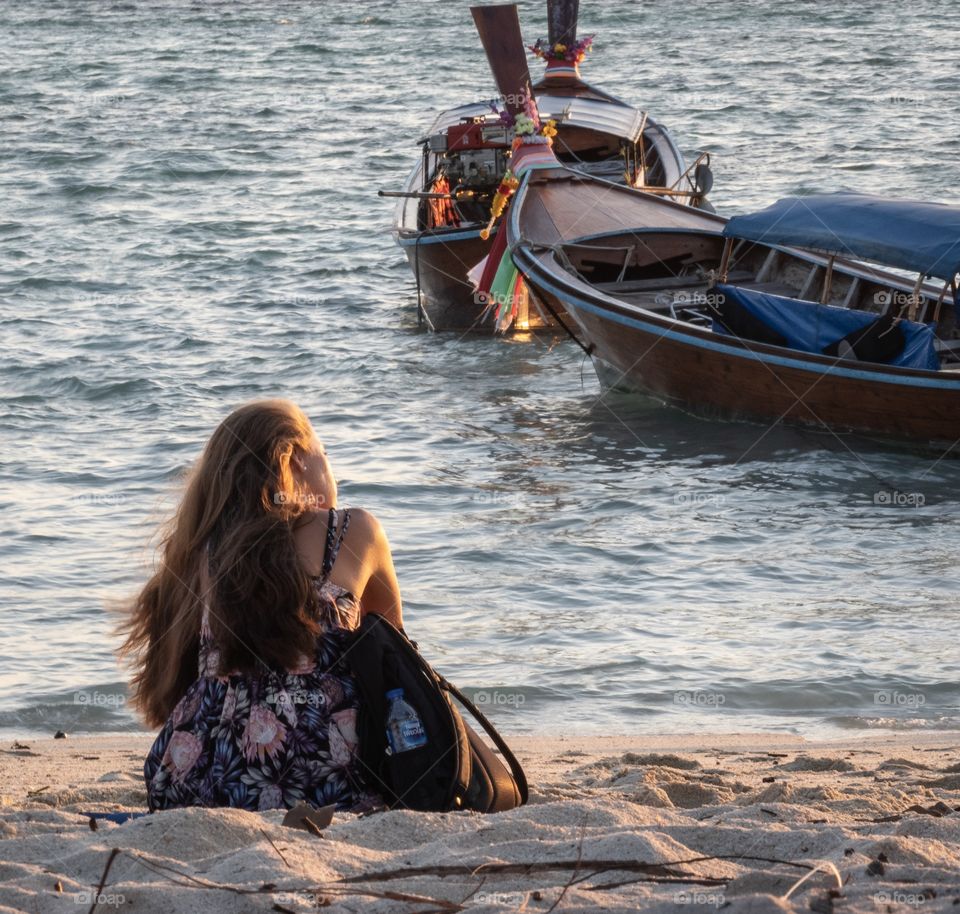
[
  {"x": 334, "y": 539},
  {"x": 208, "y": 657}
]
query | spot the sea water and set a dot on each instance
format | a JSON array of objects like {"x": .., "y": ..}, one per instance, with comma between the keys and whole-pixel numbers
[{"x": 189, "y": 220}]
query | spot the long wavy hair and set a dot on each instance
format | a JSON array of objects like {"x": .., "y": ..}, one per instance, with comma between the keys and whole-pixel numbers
[{"x": 238, "y": 512}]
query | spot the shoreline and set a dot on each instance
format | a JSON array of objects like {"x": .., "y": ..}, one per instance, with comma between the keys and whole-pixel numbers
[
  {"x": 812, "y": 734},
  {"x": 711, "y": 819}
]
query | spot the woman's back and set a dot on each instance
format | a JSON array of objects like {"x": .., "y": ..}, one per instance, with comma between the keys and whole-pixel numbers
[{"x": 271, "y": 737}]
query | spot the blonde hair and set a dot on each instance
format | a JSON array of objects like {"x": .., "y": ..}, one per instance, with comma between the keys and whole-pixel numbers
[{"x": 238, "y": 511}]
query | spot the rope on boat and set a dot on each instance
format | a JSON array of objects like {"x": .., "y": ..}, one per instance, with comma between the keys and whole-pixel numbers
[{"x": 416, "y": 259}]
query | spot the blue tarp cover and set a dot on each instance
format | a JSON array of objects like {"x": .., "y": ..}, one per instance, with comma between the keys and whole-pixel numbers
[
  {"x": 919, "y": 237},
  {"x": 811, "y": 327}
]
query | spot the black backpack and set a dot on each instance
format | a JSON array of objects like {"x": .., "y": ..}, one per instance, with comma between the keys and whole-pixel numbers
[{"x": 455, "y": 769}]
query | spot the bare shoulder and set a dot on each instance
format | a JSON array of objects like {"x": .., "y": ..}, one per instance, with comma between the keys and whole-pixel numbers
[
  {"x": 375, "y": 577},
  {"x": 366, "y": 528},
  {"x": 364, "y": 520},
  {"x": 361, "y": 517}
]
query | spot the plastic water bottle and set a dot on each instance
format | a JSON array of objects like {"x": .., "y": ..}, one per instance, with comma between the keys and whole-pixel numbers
[{"x": 404, "y": 727}]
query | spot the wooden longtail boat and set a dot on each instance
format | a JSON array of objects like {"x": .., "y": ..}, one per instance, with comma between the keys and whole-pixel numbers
[
  {"x": 446, "y": 200},
  {"x": 782, "y": 315}
]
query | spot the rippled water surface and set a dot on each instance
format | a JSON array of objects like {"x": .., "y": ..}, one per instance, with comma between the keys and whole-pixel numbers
[{"x": 189, "y": 220}]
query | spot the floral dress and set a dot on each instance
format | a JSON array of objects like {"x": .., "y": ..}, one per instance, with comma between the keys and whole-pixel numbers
[{"x": 274, "y": 738}]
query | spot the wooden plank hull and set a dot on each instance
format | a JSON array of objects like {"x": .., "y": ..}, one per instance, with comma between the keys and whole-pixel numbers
[
  {"x": 733, "y": 380},
  {"x": 690, "y": 366},
  {"x": 441, "y": 261},
  {"x": 440, "y": 266}
]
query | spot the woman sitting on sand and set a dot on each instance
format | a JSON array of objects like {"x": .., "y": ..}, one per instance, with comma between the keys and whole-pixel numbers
[{"x": 260, "y": 583}]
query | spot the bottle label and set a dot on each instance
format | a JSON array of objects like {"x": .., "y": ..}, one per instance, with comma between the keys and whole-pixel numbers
[{"x": 411, "y": 731}]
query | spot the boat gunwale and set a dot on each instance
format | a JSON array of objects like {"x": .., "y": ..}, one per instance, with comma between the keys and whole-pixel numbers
[{"x": 411, "y": 237}]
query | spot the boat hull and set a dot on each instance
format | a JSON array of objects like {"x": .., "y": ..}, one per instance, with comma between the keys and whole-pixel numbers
[
  {"x": 440, "y": 261},
  {"x": 647, "y": 348},
  {"x": 448, "y": 302},
  {"x": 730, "y": 379}
]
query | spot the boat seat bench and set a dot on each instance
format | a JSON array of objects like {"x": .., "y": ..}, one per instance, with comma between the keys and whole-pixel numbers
[{"x": 666, "y": 282}]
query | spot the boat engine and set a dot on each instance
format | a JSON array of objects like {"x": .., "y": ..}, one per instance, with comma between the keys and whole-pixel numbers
[{"x": 473, "y": 156}]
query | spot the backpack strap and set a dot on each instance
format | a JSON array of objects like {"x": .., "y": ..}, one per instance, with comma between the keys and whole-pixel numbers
[{"x": 491, "y": 731}]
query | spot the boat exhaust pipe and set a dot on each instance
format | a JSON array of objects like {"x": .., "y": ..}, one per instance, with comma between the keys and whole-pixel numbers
[
  {"x": 562, "y": 30},
  {"x": 562, "y": 21}
]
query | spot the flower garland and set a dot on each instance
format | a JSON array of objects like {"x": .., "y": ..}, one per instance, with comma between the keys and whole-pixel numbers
[
  {"x": 572, "y": 53},
  {"x": 498, "y": 282},
  {"x": 526, "y": 131},
  {"x": 508, "y": 186}
]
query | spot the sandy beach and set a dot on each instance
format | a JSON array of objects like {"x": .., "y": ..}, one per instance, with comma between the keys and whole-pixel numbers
[
  {"x": 631, "y": 345},
  {"x": 747, "y": 823}
]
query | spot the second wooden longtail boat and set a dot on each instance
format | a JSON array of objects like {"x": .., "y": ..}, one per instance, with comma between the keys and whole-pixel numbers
[
  {"x": 794, "y": 314},
  {"x": 446, "y": 202}
]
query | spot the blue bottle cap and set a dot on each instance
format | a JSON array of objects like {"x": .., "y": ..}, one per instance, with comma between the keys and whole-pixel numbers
[{"x": 395, "y": 693}]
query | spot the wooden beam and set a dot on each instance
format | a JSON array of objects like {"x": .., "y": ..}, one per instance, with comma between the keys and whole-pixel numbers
[
  {"x": 499, "y": 28},
  {"x": 767, "y": 267},
  {"x": 915, "y": 299},
  {"x": 562, "y": 21},
  {"x": 852, "y": 293},
  {"x": 725, "y": 260},
  {"x": 810, "y": 282},
  {"x": 828, "y": 281}
]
